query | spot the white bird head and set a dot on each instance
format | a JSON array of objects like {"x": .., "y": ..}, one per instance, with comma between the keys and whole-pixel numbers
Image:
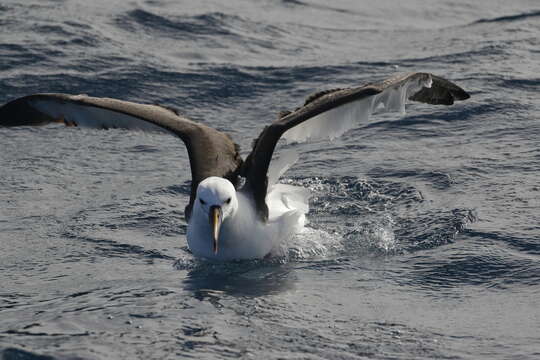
[{"x": 216, "y": 197}]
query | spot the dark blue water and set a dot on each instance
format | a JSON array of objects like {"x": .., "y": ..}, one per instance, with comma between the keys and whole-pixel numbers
[{"x": 423, "y": 237}]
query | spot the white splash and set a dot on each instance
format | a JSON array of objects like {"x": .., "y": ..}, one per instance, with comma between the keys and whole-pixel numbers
[{"x": 311, "y": 244}]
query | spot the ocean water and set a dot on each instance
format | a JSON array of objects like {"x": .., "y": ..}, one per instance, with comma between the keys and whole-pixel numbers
[{"x": 424, "y": 230}]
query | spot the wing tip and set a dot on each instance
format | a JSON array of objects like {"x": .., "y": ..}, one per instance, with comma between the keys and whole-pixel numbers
[
  {"x": 18, "y": 112},
  {"x": 462, "y": 95},
  {"x": 442, "y": 92}
]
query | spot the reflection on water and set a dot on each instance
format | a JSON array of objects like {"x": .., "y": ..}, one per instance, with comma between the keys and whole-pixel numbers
[{"x": 243, "y": 278}]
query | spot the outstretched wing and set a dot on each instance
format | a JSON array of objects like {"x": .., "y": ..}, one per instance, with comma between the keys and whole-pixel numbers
[
  {"x": 211, "y": 153},
  {"x": 333, "y": 112}
]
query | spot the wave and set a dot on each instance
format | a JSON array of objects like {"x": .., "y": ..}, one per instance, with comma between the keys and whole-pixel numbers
[
  {"x": 206, "y": 24},
  {"x": 509, "y": 18},
  {"x": 458, "y": 270},
  {"x": 15, "y": 354},
  {"x": 298, "y": 3},
  {"x": 521, "y": 84},
  {"x": 462, "y": 57},
  {"x": 212, "y": 26},
  {"x": 528, "y": 246}
]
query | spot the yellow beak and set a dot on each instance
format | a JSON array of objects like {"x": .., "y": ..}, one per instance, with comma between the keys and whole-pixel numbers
[{"x": 215, "y": 217}]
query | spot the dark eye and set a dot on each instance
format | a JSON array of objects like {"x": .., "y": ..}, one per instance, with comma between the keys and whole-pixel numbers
[
  {"x": 228, "y": 201},
  {"x": 202, "y": 201}
]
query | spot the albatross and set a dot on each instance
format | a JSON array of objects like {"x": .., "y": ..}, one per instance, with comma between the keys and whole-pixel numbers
[{"x": 237, "y": 209}]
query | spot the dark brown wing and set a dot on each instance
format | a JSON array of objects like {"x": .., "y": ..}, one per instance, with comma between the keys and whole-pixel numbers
[
  {"x": 211, "y": 153},
  {"x": 331, "y": 113}
]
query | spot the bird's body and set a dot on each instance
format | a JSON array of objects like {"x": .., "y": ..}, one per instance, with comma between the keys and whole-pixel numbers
[
  {"x": 243, "y": 235},
  {"x": 228, "y": 218}
]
